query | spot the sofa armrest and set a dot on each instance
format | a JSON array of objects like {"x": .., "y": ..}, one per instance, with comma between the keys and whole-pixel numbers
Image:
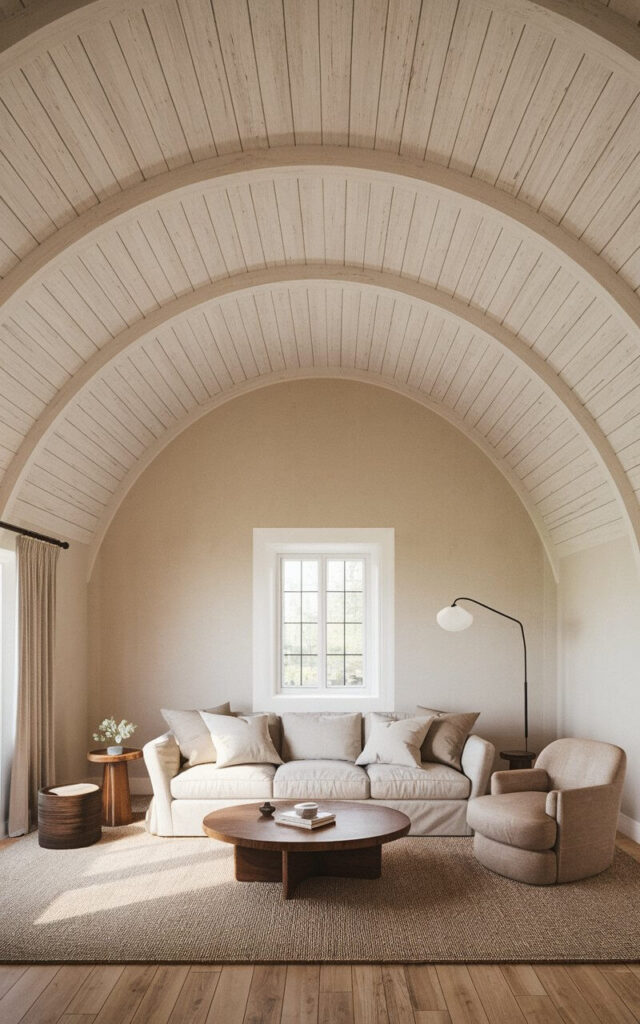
[
  {"x": 520, "y": 780},
  {"x": 587, "y": 819},
  {"x": 476, "y": 760},
  {"x": 162, "y": 758}
]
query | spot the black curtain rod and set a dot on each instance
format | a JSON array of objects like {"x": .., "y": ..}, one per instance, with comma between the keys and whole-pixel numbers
[{"x": 37, "y": 536}]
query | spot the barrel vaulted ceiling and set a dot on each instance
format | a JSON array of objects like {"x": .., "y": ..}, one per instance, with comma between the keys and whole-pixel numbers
[{"x": 200, "y": 197}]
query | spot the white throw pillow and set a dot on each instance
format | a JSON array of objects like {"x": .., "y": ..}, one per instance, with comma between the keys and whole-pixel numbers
[
  {"x": 191, "y": 733},
  {"x": 241, "y": 740},
  {"x": 395, "y": 742},
  {"x": 321, "y": 735}
]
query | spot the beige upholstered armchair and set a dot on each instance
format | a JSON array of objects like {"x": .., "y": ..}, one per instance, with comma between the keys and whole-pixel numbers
[{"x": 555, "y": 822}]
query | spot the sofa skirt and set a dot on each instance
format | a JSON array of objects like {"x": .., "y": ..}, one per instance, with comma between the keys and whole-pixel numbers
[{"x": 428, "y": 817}]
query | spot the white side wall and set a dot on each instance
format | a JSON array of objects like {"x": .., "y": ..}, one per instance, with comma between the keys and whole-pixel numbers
[
  {"x": 171, "y": 593},
  {"x": 599, "y": 697}
]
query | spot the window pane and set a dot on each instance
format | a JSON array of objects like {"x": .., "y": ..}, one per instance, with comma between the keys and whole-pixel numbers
[
  {"x": 353, "y": 574},
  {"x": 310, "y": 639},
  {"x": 309, "y": 670},
  {"x": 335, "y": 574},
  {"x": 353, "y": 607},
  {"x": 291, "y": 671},
  {"x": 291, "y": 639},
  {"x": 353, "y": 639},
  {"x": 353, "y": 670},
  {"x": 292, "y": 608},
  {"x": 310, "y": 575},
  {"x": 335, "y": 639},
  {"x": 335, "y": 670},
  {"x": 335, "y": 607},
  {"x": 291, "y": 574},
  {"x": 309, "y": 607}
]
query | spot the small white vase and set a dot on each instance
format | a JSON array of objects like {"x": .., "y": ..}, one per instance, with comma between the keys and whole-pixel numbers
[{"x": 118, "y": 749}]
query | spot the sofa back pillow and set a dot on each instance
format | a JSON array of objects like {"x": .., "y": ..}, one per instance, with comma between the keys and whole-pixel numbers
[
  {"x": 275, "y": 727},
  {"x": 396, "y": 742},
  {"x": 194, "y": 739},
  {"x": 447, "y": 736},
  {"x": 372, "y": 717},
  {"x": 320, "y": 735},
  {"x": 241, "y": 739}
]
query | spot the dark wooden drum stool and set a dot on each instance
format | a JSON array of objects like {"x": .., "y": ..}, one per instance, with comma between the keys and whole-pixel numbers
[{"x": 69, "y": 816}]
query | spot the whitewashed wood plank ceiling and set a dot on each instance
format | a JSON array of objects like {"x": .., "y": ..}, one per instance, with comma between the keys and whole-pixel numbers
[{"x": 203, "y": 196}]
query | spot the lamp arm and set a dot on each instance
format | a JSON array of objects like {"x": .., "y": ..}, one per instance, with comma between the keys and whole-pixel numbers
[{"x": 524, "y": 645}]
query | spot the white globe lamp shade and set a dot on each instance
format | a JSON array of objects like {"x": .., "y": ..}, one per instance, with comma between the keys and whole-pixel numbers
[{"x": 454, "y": 618}]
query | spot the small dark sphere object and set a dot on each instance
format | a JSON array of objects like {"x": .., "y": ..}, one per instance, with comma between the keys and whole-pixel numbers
[{"x": 266, "y": 809}]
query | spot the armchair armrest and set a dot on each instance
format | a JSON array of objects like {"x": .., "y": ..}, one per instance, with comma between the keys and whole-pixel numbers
[
  {"x": 476, "y": 761},
  {"x": 520, "y": 780},
  {"x": 162, "y": 758},
  {"x": 587, "y": 819}
]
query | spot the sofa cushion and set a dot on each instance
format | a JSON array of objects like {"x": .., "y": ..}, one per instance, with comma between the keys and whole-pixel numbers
[
  {"x": 241, "y": 740},
  {"x": 309, "y": 735},
  {"x": 516, "y": 819},
  {"x": 194, "y": 739},
  {"x": 395, "y": 742},
  {"x": 240, "y": 781},
  {"x": 429, "y": 782},
  {"x": 320, "y": 779}
]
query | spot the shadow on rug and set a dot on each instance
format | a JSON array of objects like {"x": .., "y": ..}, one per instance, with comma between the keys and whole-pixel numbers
[{"x": 136, "y": 897}]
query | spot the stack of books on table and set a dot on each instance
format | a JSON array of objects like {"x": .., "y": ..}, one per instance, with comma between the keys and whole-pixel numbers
[{"x": 291, "y": 818}]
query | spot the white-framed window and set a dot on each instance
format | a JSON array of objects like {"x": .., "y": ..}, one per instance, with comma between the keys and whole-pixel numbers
[{"x": 323, "y": 624}]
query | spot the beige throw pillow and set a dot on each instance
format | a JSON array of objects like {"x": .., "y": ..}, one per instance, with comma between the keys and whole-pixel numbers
[
  {"x": 241, "y": 740},
  {"x": 395, "y": 742},
  {"x": 447, "y": 736},
  {"x": 194, "y": 739},
  {"x": 321, "y": 735}
]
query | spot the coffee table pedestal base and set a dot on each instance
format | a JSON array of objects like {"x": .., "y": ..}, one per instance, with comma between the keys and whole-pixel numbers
[{"x": 292, "y": 867}]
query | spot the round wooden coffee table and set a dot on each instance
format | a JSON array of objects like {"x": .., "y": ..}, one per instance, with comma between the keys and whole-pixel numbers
[
  {"x": 267, "y": 852},
  {"x": 116, "y": 796}
]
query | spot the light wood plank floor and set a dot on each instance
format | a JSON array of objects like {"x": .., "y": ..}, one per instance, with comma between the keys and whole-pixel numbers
[{"x": 323, "y": 994}]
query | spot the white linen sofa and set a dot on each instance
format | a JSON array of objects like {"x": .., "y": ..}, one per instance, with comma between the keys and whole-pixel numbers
[{"x": 434, "y": 796}]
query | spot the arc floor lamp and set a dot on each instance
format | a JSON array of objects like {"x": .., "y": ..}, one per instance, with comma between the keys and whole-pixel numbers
[{"x": 454, "y": 618}]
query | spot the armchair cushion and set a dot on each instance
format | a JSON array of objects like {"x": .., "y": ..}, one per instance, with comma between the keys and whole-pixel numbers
[
  {"x": 317, "y": 779},
  {"x": 520, "y": 780},
  {"x": 238, "y": 781},
  {"x": 428, "y": 782},
  {"x": 516, "y": 819}
]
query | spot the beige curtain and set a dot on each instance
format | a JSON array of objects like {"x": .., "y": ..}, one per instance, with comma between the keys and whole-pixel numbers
[{"x": 33, "y": 765}]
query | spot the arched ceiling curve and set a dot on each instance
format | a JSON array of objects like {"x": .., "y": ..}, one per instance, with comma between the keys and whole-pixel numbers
[{"x": 525, "y": 121}]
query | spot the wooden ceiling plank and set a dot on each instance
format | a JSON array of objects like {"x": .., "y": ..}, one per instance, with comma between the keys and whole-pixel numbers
[
  {"x": 62, "y": 507},
  {"x": 610, "y": 360},
  {"x": 171, "y": 342},
  {"x": 521, "y": 91},
  {"x": 499, "y": 56},
  {"x": 561, "y": 447},
  {"x": 67, "y": 493},
  {"x": 451, "y": 364},
  {"x": 169, "y": 371},
  {"x": 432, "y": 43},
  {"x": 525, "y": 300},
  {"x": 76, "y": 436},
  {"x": 477, "y": 380},
  {"x": 266, "y": 316},
  {"x": 98, "y": 437},
  {"x": 265, "y": 205},
  {"x": 303, "y": 53},
  {"x": 29, "y": 352},
  {"x": 135, "y": 241},
  {"x": 399, "y": 49},
  {"x": 602, "y": 123},
  {"x": 377, "y": 224},
  {"x": 312, "y": 214},
  {"x": 421, "y": 227},
  {"x": 356, "y": 217},
  {"x": 125, "y": 287},
  {"x": 586, "y": 522},
  {"x": 83, "y": 159},
  {"x": 515, "y": 281},
  {"x": 205, "y": 343},
  {"x": 463, "y": 239},
  {"x": 578, "y": 100},
  {"x": 269, "y": 42},
  {"x": 366, "y": 322},
  {"x": 440, "y": 238},
  {"x": 562, "y": 320},
  {"x": 552, "y": 481},
  {"x": 334, "y": 197},
  {"x": 16, "y": 238},
  {"x": 551, "y": 301},
  {"x": 580, "y": 495},
  {"x": 19, "y": 370},
  {"x": 301, "y": 326},
  {"x": 439, "y": 352},
  {"x": 284, "y": 319},
  {"x": 224, "y": 342},
  {"x": 226, "y": 231},
  {"x": 529, "y": 423},
  {"x": 385, "y": 315},
  {"x": 97, "y": 298},
  {"x": 334, "y": 327},
  {"x": 335, "y": 23},
  {"x": 33, "y": 514},
  {"x": 523, "y": 396},
  {"x": 584, "y": 334},
  {"x": 400, "y": 347},
  {"x": 465, "y": 48},
  {"x": 105, "y": 55},
  {"x": 290, "y": 219},
  {"x": 20, "y": 402},
  {"x": 541, "y": 437},
  {"x": 403, "y": 201},
  {"x": 12, "y": 437},
  {"x": 369, "y": 28},
  {"x": 131, "y": 401},
  {"x": 75, "y": 473},
  {"x": 192, "y": 345},
  {"x": 623, "y": 242},
  {"x": 149, "y": 365},
  {"x": 79, "y": 76},
  {"x": 246, "y": 225},
  {"x": 197, "y": 213},
  {"x": 133, "y": 35},
  {"x": 317, "y": 303},
  {"x": 98, "y": 403},
  {"x": 167, "y": 31},
  {"x": 22, "y": 204},
  {"x": 476, "y": 259},
  {"x": 502, "y": 377},
  {"x": 137, "y": 381},
  {"x": 80, "y": 308},
  {"x": 427, "y": 337},
  {"x": 249, "y": 326},
  {"x": 468, "y": 366},
  {"x": 236, "y": 44},
  {"x": 496, "y": 269},
  {"x": 179, "y": 230},
  {"x": 32, "y": 325},
  {"x": 165, "y": 249},
  {"x": 56, "y": 317}
]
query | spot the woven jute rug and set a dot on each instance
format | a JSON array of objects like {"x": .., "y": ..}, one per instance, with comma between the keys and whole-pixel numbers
[{"x": 136, "y": 897}]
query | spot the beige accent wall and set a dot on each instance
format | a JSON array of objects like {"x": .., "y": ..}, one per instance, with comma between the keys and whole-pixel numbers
[
  {"x": 599, "y": 598},
  {"x": 171, "y": 592}
]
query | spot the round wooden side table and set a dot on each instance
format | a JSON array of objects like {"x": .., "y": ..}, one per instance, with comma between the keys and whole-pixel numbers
[
  {"x": 518, "y": 758},
  {"x": 116, "y": 797}
]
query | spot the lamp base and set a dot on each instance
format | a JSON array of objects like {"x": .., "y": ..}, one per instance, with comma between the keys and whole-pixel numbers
[{"x": 518, "y": 758}]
